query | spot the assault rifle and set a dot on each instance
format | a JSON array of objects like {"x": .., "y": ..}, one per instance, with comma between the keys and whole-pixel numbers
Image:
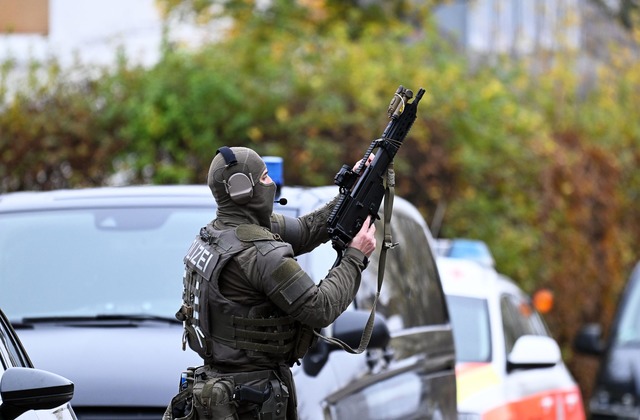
[
  {"x": 357, "y": 202},
  {"x": 362, "y": 191}
]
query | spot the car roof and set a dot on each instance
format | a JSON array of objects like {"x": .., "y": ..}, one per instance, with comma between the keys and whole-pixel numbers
[
  {"x": 304, "y": 199},
  {"x": 103, "y": 196},
  {"x": 300, "y": 199},
  {"x": 462, "y": 277},
  {"x": 188, "y": 195}
]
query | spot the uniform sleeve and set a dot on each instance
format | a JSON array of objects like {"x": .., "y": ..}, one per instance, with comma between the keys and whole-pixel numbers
[
  {"x": 304, "y": 233},
  {"x": 334, "y": 294},
  {"x": 289, "y": 287}
]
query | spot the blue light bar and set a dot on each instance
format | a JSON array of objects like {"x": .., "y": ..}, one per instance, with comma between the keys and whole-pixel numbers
[{"x": 471, "y": 250}]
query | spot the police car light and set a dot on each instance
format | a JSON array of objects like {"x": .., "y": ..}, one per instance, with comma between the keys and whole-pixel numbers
[
  {"x": 275, "y": 168},
  {"x": 470, "y": 249}
]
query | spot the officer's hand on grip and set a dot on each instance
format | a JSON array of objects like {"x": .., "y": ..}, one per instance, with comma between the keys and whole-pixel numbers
[{"x": 365, "y": 240}]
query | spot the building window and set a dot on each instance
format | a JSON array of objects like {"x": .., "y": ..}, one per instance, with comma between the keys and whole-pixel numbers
[{"x": 24, "y": 17}]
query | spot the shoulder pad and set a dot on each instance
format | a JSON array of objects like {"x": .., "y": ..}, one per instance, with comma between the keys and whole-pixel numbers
[{"x": 252, "y": 233}]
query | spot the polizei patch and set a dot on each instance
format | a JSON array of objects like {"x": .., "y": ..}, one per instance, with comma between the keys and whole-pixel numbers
[{"x": 202, "y": 258}]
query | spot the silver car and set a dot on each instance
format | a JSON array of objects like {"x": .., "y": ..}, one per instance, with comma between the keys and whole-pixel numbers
[{"x": 92, "y": 280}]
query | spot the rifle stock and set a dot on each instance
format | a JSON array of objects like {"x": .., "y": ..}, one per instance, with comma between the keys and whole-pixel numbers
[{"x": 358, "y": 201}]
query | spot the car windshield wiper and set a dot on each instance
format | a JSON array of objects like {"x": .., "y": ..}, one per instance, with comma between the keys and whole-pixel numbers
[{"x": 95, "y": 319}]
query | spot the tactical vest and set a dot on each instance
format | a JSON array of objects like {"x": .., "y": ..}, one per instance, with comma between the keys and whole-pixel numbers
[{"x": 216, "y": 327}]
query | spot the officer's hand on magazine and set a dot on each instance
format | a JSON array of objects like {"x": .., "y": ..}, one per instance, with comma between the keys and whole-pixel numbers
[{"x": 365, "y": 240}]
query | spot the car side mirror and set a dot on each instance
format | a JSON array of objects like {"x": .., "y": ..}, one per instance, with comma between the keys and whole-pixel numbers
[
  {"x": 589, "y": 341},
  {"x": 23, "y": 389},
  {"x": 348, "y": 327},
  {"x": 533, "y": 352}
]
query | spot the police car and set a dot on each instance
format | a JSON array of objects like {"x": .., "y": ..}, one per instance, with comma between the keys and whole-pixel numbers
[
  {"x": 92, "y": 279},
  {"x": 508, "y": 366}
]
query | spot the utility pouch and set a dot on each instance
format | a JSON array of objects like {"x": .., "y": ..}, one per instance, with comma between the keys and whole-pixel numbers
[
  {"x": 181, "y": 407},
  {"x": 304, "y": 340},
  {"x": 213, "y": 398}
]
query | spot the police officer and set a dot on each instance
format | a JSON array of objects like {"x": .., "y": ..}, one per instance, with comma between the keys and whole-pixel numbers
[{"x": 262, "y": 307}]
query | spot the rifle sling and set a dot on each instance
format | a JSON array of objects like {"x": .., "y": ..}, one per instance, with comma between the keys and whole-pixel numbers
[{"x": 389, "y": 193}]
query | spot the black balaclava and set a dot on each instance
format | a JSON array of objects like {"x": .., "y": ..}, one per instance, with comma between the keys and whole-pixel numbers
[{"x": 258, "y": 208}]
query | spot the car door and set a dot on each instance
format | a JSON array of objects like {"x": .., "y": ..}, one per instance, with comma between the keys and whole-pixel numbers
[
  {"x": 413, "y": 377},
  {"x": 542, "y": 392}
]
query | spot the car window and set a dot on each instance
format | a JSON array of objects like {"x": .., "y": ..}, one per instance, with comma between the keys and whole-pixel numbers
[
  {"x": 471, "y": 328},
  {"x": 5, "y": 356},
  {"x": 411, "y": 280},
  {"x": 397, "y": 397},
  {"x": 10, "y": 352},
  {"x": 519, "y": 318},
  {"x": 87, "y": 257},
  {"x": 628, "y": 330}
]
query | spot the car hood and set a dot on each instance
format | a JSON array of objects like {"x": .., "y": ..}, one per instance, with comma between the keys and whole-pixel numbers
[{"x": 134, "y": 365}]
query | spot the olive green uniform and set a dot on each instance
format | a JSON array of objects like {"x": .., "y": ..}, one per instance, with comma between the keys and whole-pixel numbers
[
  {"x": 254, "y": 277},
  {"x": 263, "y": 307}
]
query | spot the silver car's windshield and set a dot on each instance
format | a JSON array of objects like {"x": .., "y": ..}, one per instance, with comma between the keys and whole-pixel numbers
[
  {"x": 95, "y": 261},
  {"x": 471, "y": 330}
]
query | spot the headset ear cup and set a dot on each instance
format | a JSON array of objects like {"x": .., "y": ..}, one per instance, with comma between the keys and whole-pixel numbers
[{"x": 240, "y": 188}]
